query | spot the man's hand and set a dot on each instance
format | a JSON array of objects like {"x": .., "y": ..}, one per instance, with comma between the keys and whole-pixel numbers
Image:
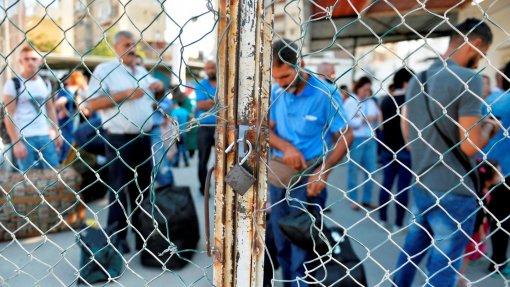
[
  {"x": 20, "y": 151},
  {"x": 137, "y": 93},
  {"x": 54, "y": 135},
  {"x": 491, "y": 124},
  {"x": 156, "y": 86},
  {"x": 316, "y": 183},
  {"x": 294, "y": 158}
]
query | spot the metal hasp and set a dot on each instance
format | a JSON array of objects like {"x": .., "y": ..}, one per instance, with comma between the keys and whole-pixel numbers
[{"x": 244, "y": 74}]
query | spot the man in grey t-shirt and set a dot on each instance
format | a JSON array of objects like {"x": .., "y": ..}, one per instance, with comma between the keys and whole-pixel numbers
[{"x": 444, "y": 193}]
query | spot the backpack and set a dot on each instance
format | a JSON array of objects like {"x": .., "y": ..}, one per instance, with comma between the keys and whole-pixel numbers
[
  {"x": 97, "y": 256},
  {"x": 3, "y": 113}
]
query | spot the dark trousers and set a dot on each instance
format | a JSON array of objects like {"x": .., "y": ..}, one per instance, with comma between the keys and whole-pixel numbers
[
  {"x": 392, "y": 169},
  {"x": 181, "y": 150},
  {"x": 291, "y": 257},
  {"x": 129, "y": 178},
  {"x": 205, "y": 142},
  {"x": 500, "y": 208},
  {"x": 86, "y": 138}
]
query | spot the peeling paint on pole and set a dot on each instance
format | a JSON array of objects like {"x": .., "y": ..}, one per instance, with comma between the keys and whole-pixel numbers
[{"x": 245, "y": 35}]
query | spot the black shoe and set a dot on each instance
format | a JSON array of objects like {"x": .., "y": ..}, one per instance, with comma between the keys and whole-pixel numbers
[
  {"x": 369, "y": 206},
  {"x": 186, "y": 164},
  {"x": 123, "y": 247},
  {"x": 176, "y": 165}
]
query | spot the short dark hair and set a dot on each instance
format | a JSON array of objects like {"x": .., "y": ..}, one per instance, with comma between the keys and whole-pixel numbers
[
  {"x": 344, "y": 88},
  {"x": 401, "y": 76},
  {"x": 506, "y": 72},
  {"x": 360, "y": 83},
  {"x": 27, "y": 48},
  {"x": 285, "y": 52},
  {"x": 472, "y": 28}
]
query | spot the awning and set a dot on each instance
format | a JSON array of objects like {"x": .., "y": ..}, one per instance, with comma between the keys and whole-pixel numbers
[{"x": 372, "y": 22}]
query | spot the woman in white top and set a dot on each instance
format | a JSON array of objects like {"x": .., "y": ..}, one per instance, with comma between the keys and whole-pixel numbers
[{"x": 363, "y": 114}]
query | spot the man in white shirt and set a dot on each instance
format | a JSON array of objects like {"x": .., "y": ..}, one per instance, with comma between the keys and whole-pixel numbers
[
  {"x": 123, "y": 95},
  {"x": 31, "y": 116}
]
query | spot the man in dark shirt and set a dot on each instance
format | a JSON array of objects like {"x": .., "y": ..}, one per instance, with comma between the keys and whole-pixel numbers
[{"x": 393, "y": 143}]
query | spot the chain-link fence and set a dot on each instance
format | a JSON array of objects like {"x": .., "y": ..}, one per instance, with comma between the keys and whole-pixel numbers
[{"x": 114, "y": 113}]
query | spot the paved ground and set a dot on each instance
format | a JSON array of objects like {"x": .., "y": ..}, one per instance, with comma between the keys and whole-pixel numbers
[{"x": 54, "y": 261}]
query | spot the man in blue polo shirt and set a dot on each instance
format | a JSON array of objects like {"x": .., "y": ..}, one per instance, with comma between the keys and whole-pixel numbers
[
  {"x": 206, "y": 91},
  {"x": 308, "y": 124}
]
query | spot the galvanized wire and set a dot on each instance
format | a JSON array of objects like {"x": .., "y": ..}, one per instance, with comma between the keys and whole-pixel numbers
[
  {"x": 54, "y": 259},
  {"x": 376, "y": 245}
]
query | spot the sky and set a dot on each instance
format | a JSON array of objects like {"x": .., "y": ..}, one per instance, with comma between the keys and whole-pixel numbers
[
  {"x": 203, "y": 26},
  {"x": 201, "y": 30}
]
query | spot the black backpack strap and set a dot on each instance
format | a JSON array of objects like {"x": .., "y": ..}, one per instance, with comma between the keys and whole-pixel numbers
[
  {"x": 3, "y": 112},
  {"x": 17, "y": 85},
  {"x": 457, "y": 152}
]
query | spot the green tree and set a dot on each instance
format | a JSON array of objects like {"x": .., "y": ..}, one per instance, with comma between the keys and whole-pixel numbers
[{"x": 104, "y": 50}]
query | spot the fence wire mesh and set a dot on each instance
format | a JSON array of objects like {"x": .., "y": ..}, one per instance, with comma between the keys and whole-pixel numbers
[{"x": 103, "y": 98}]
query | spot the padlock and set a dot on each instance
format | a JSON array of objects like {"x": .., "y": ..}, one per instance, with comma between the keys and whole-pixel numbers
[{"x": 238, "y": 178}]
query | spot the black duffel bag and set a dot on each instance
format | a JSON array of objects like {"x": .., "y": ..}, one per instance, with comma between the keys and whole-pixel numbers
[
  {"x": 341, "y": 268},
  {"x": 304, "y": 229},
  {"x": 176, "y": 238}
]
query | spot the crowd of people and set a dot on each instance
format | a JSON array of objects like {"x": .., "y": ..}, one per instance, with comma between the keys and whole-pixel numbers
[
  {"x": 434, "y": 126},
  {"x": 123, "y": 114}
]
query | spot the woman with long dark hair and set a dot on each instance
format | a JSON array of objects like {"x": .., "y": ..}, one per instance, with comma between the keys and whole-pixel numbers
[{"x": 362, "y": 118}]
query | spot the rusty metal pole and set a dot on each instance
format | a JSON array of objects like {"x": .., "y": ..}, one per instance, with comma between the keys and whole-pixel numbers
[{"x": 244, "y": 62}]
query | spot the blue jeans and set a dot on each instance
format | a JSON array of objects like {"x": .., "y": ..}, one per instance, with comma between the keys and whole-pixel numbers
[
  {"x": 165, "y": 175},
  {"x": 363, "y": 152},
  {"x": 448, "y": 241},
  {"x": 34, "y": 145},
  {"x": 392, "y": 169},
  {"x": 67, "y": 144},
  {"x": 290, "y": 256}
]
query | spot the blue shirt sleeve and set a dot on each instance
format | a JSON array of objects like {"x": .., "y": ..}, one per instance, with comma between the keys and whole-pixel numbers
[
  {"x": 339, "y": 120},
  {"x": 203, "y": 93},
  {"x": 65, "y": 93},
  {"x": 272, "y": 109},
  {"x": 166, "y": 105}
]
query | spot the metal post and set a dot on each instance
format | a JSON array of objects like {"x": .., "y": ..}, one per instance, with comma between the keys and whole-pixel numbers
[{"x": 244, "y": 33}]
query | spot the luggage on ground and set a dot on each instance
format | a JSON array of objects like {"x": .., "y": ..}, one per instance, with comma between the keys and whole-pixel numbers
[
  {"x": 99, "y": 260},
  {"x": 25, "y": 214},
  {"x": 175, "y": 239},
  {"x": 342, "y": 268}
]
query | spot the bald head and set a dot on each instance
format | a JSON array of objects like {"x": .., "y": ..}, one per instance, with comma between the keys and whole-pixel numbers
[
  {"x": 210, "y": 70},
  {"x": 124, "y": 45},
  {"x": 326, "y": 71}
]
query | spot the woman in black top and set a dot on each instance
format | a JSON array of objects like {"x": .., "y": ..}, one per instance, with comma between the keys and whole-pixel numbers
[{"x": 393, "y": 143}]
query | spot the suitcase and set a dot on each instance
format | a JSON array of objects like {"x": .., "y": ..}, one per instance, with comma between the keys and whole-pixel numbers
[
  {"x": 30, "y": 204},
  {"x": 175, "y": 239}
]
